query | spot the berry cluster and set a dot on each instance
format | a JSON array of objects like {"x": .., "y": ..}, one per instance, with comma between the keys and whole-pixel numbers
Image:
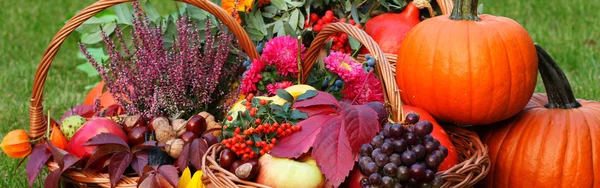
[
  {"x": 340, "y": 40},
  {"x": 370, "y": 63},
  {"x": 248, "y": 62},
  {"x": 402, "y": 155},
  {"x": 336, "y": 86},
  {"x": 259, "y": 136}
]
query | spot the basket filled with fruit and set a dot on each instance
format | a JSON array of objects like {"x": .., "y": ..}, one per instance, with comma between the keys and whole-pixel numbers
[
  {"x": 287, "y": 134},
  {"x": 159, "y": 110}
]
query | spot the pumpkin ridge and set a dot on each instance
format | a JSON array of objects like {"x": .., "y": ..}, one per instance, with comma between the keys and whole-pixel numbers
[
  {"x": 469, "y": 34},
  {"x": 519, "y": 152},
  {"x": 437, "y": 37},
  {"x": 542, "y": 150},
  {"x": 510, "y": 72},
  {"x": 416, "y": 87},
  {"x": 592, "y": 139},
  {"x": 491, "y": 97},
  {"x": 586, "y": 122},
  {"x": 514, "y": 152},
  {"x": 510, "y": 127}
]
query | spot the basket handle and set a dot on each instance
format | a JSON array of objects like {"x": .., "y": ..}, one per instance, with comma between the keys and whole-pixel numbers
[
  {"x": 384, "y": 70},
  {"x": 37, "y": 121}
]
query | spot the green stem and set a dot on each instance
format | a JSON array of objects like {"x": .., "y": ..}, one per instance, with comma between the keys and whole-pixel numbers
[
  {"x": 465, "y": 10},
  {"x": 560, "y": 94}
]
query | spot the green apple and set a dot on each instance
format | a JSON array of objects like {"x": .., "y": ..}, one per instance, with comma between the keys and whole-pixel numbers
[{"x": 283, "y": 172}]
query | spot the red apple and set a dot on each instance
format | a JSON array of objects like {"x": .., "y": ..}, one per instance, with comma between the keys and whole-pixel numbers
[
  {"x": 283, "y": 172},
  {"x": 90, "y": 129}
]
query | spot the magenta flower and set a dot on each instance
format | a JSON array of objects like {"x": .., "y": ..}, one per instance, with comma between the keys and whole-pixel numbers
[
  {"x": 282, "y": 52},
  {"x": 343, "y": 65},
  {"x": 252, "y": 76},
  {"x": 365, "y": 88},
  {"x": 272, "y": 88}
]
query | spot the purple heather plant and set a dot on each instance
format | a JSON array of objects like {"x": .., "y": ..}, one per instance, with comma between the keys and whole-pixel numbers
[{"x": 152, "y": 80}]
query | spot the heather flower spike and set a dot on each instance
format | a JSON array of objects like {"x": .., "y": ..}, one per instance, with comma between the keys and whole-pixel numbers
[{"x": 152, "y": 80}]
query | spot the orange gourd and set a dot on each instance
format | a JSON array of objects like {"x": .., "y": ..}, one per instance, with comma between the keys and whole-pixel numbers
[
  {"x": 553, "y": 142},
  {"x": 467, "y": 69},
  {"x": 57, "y": 138},
  {"x": 106, "y": 98},
  {"x": 16, "y": 144}
]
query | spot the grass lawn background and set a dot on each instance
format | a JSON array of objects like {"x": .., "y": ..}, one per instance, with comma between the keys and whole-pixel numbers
[{"x": 569, "y": 31}]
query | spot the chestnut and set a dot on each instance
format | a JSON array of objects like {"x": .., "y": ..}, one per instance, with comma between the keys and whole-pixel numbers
[
  {"x": 227, "y": 158},
  {"x": 187, "y": 137},
  {"x": 245, "y": 170},
  {"x": 210, "y": 139},
  {"x": 132, "y": 122},
  {"x": 157, "y": 121},
  {"x": 137, "y": 135},
  {"x": 196, "y": 124}
]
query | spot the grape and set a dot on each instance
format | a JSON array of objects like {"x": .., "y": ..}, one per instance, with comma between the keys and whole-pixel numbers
[
  {"x": 444, "y": 150},
  {"x": 365, "y": 150},
  {"x": 412, "y": 118},
  {"x": 381, "y": 160},
  {"x": 411, "y": 138},
  {"x": 440, "y": 155},
  {"x": 400, "y": 145},
  {"x": 390, "y": 169},
  {"x": 403, "y": 173},
  {"x": 377, "y": 141},
  {"x": 429, "y": 175},
  {"x": 437, "y": 181},
  {"x": 387, "y": 182},
  {"x": 428, "y": 137},
  {"x": 375, "y": 152},
  {"x": 339, "y": 83},
  {"x": 409, "y": 158},
  {"x": 429, "y": 146},
  {"x": 371, "y": 62},
  {"x": 387, "y": 148},
  {"x": 398, "y": 185},
  {"x": 375, "y": 179},
  {"x": 412, "y": 182},
  {"x": 396, "y": 159},
  {"x": 364, "y": 182},
  {"x": 417, "y": 172},
  {"x": 423, "y": 128},
  {"x": 396, "y": 130},
  {"x": 371, "y": 168},
  {"x": 425, "y": 185},
  {"x": 436, "y": 142},
  {"x": 386, "y": 130},
  {"x": 432, "y": 161},
  {"x": 419, "y": 151},
  {"x": 388, "y": 140},
  {"x": 363, "y": 161}
]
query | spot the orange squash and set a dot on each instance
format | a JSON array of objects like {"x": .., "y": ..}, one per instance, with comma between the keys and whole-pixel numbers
[
  {"x": 553, "y": 142},
  {"x": 389, "y": 29},
  {"x": 467, "y": 69},
  {"x": 16, "y": 144}
]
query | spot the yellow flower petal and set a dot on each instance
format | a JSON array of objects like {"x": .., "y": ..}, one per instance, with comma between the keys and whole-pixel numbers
[
  {"x": 196, "y": 181},
  {"x": 185, "y": 178}
]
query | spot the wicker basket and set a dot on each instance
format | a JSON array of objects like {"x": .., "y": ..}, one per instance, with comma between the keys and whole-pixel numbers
[
  {"x": 78, "y": 177},
  {"x": 473, "y": 155}
]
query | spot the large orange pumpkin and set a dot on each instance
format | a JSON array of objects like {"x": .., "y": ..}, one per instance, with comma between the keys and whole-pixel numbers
[
  {"x": 553, "y": 142},
  {"x": 467, "y": 69}
]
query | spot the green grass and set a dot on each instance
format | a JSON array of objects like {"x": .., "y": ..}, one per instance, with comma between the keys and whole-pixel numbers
[{"x": 568, "y": 30}]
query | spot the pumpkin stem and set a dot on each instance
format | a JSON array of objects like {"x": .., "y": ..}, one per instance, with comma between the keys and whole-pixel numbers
[
  {"x": 465, "y": 10},
  {"x": 560, "y": 94}
]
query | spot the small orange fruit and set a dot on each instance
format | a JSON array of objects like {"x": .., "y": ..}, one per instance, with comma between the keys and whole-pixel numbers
[{"x": 16, "y": 144}]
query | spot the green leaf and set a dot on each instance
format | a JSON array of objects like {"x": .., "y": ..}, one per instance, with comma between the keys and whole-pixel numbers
[
  {"x": 348, "y": 6},
  {"x": 354, "y": 44},
  {"x": 196, "y": 13},
  {"x": 480, "y": 9},
  {"x": 151, "y": 11},
  {"x": 285, "y": 95},
  {"x": 307, "y": 95},
  {"x": 88, "y": 69},
  {"x": 270, "y": 9},
  {"x": 254, "y": 34},
  {"x": 280, "y": 4},
  {"x": 278, "y": 28},
  {"x": 297, "y": 114},
  {"x": 287, "y": 106},
  {"x": 354, "y": 13},
  {"x": 276, "y": 107},
  {"x": 124, "y": 14},
  {"x": 294, "y": 19}
]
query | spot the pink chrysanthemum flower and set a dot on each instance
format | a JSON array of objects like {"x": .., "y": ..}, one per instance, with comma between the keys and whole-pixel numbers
[
  {"x": 252, "y": 76},
  {"x": 343, "y": 65},
  {"x": 272, "y": 88},
  {"x": 282, "y": 52},
  {"x": 366, "y": 88}
]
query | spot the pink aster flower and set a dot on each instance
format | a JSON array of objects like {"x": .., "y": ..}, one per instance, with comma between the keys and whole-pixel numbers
[
  {"x": 343, "y": 65},
  {"x": 282, "y": 52},
  {"x": 272, "y": 88},
  {"x": 366, "y": 88},
  {"x": 252, "y": 76}
]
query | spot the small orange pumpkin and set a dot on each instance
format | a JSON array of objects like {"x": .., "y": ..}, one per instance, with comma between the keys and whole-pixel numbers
[
  {"x": 467, "y": 69},
  {"x": 57, "y": 138},
  {"x": 16, "y": 144},
  {"x": 553, "y": 142}
]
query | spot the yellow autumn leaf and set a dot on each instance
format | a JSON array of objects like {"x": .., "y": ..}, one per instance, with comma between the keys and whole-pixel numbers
[
  {"x": 196, "y": 181},
  {"x": 185, "y": 178}
]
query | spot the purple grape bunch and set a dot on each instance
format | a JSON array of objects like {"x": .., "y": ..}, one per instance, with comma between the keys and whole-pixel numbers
[{"x": 402, "y": 155}]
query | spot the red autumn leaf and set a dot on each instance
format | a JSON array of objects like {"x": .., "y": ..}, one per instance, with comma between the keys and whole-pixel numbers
[
  {"x": 161, "y": 181},
  {"x": 62, "y": 157},
  {"x": 197, "y": 149},
  {"x": 182, "y": 161},
  {"x": 117, "y": 166},
  {"x": 170, "y": 173},
  {"x": 379, "y": 108},
  {"x": 84, "y": 110},
  {"x": 52, "y": 180},
  {"x": 38, "y": 157},
  {"x": 140, "y": 159},
  {"x": 106, "y": 138},
  {"x": 147, "y": 180},
  {"x": 332, "y": 151},
  {"x": 145, "y": 145},
  {"x": 300, "y": 142},
  {"x": 113, "y": 110},
  {"x": 323, "y": 98},
  {"x": 103, "y": 151},
  {"x": 361, "y": 125},
  {"x": 318, "y": 110}
]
